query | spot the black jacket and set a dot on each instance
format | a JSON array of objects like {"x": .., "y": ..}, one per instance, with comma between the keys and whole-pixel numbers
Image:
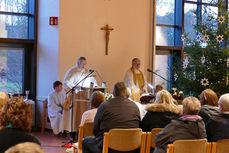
[
  {"x": 186, "y": 127},
  {"x": 208, "y": 111},
  {"x": 218, "y": 127},
  {"x": 115, "y": 113},
  {"x": 10, "y": 137},
  {"x": 159, "y": 115}
]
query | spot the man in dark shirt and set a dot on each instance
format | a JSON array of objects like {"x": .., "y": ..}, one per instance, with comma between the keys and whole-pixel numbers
[
  {"x": 217, "y": 127},
  {"x": 119, "y": 112}
]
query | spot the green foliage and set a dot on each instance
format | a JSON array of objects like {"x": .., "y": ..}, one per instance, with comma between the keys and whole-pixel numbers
[{"x": 215, "y": 68}]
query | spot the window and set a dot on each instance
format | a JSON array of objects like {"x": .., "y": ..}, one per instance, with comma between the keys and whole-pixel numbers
[
  {"x": 164, "y": 70},
  {"x": 11, "y": 70},
  {"x": 17, "y": 45}
]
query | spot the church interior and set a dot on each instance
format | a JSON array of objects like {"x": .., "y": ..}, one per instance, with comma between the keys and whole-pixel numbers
[{"x": 169, "y": 58}]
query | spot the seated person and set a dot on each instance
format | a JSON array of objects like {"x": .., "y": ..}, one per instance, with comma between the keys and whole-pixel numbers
[
  {"x": 188, "y": 126},
  {"x": 218, "y": 126},
  {"x": 161, "y": 112},
  {"x": 26, "y": 147},
  {"x": 158, "y": 88},
  {"x": 96, "y": 99},
  {"x": 55, "y": 101},
  {"x": 15, "y": 123},
  {"x": 209, "y": 104},
  {"x": 118, "y": 112}
]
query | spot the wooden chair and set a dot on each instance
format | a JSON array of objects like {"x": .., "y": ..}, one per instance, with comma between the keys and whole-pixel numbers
[
  {"x": 221, "y": 146},
  {"x": 189, "y": 146},
  {"x": 124, "y": 140},
  {"x": 150, "y": 139},
  {"x": 84, "y": 131},
  {"x": 45, "y": 115}
]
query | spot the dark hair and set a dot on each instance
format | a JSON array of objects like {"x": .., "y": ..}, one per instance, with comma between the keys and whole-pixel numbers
[
  {"x": 97, "y": 98},
  {"x": 56, "y": 84},
  {"x": 159, "y": 86},
  {"x": 81, "y": 58},
  {"x": 120, "y": 90}
]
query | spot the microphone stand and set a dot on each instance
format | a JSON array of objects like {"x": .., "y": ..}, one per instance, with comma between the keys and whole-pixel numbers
[
  {"x": 158, "y": 75},
  {"x": 72, "y": 101}
]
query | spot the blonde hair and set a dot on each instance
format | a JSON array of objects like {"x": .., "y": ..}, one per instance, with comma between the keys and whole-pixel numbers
[
  {"x": 191, "y": 106},
  {"x": 16, "y": 113},
  {"x": 97, "y": 98},
  {"x": 26, "y": 147},
  {"x": 3, "y": 99},
  {"x": 208, "y": 97},
  {"x": 164, "y": 97}
]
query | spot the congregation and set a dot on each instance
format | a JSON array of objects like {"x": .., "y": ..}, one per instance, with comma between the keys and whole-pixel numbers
[{"x": 203, "y": 118}]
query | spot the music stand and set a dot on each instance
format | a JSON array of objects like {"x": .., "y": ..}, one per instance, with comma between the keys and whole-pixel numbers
[{"x": 72, "y": 90}]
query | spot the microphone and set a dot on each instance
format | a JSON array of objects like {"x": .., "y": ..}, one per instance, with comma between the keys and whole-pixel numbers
[
  {"x": 157, "y": 75},
  {"x": 91, "y": 71},
  {"x": 149, "y": 70}
]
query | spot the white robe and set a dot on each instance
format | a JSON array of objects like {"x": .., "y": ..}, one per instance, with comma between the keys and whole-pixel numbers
[
  {"x": 72, "y": 77},
  {"x": 129, "y": 80},
  {"x": 55, "y": 101}
]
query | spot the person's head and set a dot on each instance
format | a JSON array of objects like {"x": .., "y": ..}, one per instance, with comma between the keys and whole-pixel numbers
[
  {"x": 3, "y": 98},
  {"x": 224, "y": 103},
  {"x": 120, "y": 90},
  {"x": 191, "y": 106},
  {"x": 16, "y": 114},
  {"x": 136, "y": 63},
  {"x": 97, "y": 98},
  {"x": 81, "y": 62},
  {"x": 208, "y": 97},
  {"x": 164, "y": 97},
  {"x": 57, "y": 86},
  {"x": 158, "y": 88},
  {"x": 26, "y": 147}
]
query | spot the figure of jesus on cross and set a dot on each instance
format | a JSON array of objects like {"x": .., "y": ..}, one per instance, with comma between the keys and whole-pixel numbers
[{"x": 108, "y": 30}]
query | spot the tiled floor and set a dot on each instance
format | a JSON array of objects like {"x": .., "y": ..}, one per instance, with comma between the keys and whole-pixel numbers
[{"x": 50, "y": 143}]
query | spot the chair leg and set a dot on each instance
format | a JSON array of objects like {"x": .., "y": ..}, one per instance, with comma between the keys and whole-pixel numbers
[
  {"x": 105, "y": 143},
  {"x": 43, "y": 127}
]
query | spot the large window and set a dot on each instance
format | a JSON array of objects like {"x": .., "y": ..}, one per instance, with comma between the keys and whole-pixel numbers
[
  {"x": 174, "y": 17},
  {"x": 201, "y": 8},
  {"x": 17, "y": 45},
  {"x": 11, "y": 70},
  {"x": 167, "y": 25}
]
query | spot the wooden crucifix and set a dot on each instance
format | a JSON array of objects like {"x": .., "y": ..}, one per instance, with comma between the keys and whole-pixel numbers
[{"x": 108, "y": 29}]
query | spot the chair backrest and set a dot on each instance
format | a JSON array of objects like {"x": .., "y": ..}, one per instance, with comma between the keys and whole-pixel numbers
[
  {"x": 221, "y": 146},
  {"x": 84, "y": 131},
  {"x": 153, "y": 133},
  {"x": 150, "y": 138},
  {"x": 124, "y": 140},
  {"x": 189, "y": 146},
  {"x": 88, "y": 129}
]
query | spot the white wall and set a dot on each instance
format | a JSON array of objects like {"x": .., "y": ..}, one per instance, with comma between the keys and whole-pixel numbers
[
  {"x": 80, "y": 35},
  {"x": 48, "y": 39}
]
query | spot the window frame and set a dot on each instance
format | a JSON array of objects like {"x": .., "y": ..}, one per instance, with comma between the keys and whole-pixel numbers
[{"x": 29, "y": 45}]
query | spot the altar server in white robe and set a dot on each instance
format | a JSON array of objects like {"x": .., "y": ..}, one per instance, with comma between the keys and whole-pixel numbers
[
  {"x": 134, "y": 78},
  {"x": 55, "y": 101},
  {"x": 72, "y": 77}
]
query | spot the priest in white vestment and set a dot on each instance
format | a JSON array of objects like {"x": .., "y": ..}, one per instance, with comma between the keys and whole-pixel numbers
[
  {"x": 73, "y": 77},
  {"x": 55, "y": 101},
  {"x": 134, "y": 78}
]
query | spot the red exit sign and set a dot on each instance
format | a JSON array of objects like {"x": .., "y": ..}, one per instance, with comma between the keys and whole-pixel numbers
[{"x": 53, "y": 20}]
